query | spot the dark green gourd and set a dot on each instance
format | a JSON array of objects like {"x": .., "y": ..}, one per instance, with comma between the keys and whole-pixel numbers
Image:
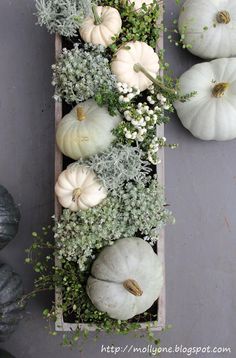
[
  {"x": 9, "y": 217},
  {"x": 4, "y": 354},
  {"x": 11, "y": 308}
]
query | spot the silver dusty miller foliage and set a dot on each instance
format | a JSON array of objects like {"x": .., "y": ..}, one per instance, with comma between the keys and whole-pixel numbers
[
  {"x": 118, "y": 165},
  {"x": 81, "y": 72},
  {"x": 62, "y": 16}
]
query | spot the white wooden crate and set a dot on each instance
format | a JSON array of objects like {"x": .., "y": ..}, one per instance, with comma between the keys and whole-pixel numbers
[{"x": 61, "y": 325}]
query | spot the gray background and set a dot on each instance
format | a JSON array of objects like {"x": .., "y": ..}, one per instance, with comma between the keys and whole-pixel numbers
[{"x": 200, "y": 186}]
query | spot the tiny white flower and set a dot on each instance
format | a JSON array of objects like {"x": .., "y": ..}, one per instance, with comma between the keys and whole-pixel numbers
[
  {"x": 128, "y": 135},
  {"x": 142, "y": 131},
  {"x": 126, "y": 100},
  {"x": 130, "y": 96}
]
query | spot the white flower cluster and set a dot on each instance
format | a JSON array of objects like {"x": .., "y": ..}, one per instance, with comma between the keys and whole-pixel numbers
[
  {"x": 153, "y": 98},
  {"x": 143, "y": 117},
  {"x": 126, "y": 93},
  {"x": 154, "y": 148}
]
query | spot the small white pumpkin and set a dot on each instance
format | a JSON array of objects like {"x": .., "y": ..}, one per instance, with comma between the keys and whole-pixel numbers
[
  {"x": 126, "y": 279},
  {"x": 86, "y": 130},
  {"x": 209, "y": 26},
  {"x": 78, "y": 188},
  {"x": 102, "y": 27},
  {"x": 138, "y": 3},
  {"x": 136, "y": 64},
  {"x": 211, "y": 113}
]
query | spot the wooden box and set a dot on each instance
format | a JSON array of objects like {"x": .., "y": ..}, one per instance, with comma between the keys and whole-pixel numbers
[{"x": 61, "y": 325}]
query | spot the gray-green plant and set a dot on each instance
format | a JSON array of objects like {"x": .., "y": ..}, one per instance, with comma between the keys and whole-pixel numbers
[
  {"x": 62, "y": 16},
  {"x": 80, "y": 73},
  {"x": 138, "y": 210},
  {"x": 118, "y": 165}
]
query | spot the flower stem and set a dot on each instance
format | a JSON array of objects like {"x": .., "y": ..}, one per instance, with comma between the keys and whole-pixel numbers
[
  {"x": 139, "y": 68},
  {"x": 97, "y": 18}
]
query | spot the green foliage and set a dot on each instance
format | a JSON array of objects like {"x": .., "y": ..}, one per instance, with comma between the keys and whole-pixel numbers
[
  {"x": 110, "y": 99},
  {"x": 139, "y": 209},
  {"x": 62, "y": 16},
  {"x": 118, "y": 165},
  {"x": 81, "y": 72},
  {"x": 136, "y": 25}
]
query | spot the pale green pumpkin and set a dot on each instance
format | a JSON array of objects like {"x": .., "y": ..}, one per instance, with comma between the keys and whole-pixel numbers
[
  {"x": 86, "y": 130},
  {"x": 126, "y": 279}
]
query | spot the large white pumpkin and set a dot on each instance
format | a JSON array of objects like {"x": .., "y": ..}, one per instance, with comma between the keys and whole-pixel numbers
[
  {"x": 136, "y": 64},
  {"x": 126, "y": 279},
  {"x": 78, "y": 188},
  {"x": 211, "y": 113},
  {"x": 102, "y": 27},
  {"x": 209, "y": 26},
  {"x": 86, "y": 130}
]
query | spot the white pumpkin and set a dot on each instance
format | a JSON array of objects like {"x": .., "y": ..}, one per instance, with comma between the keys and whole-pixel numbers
[
  {"x": 138, "y": 3},
  {"x": 78, "y": 188},
  {"x": 211, "y": 113},
  {"x": 209, "y": 26},
  {"x": 102, "y": 27},
  {"x": 126, "y": 279},
  {"x": 136, "y": 64},
  {"x": 86, "y": 130}
]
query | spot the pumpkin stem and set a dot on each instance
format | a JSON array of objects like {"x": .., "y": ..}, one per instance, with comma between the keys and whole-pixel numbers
[
  {"x": 223, "y": 17},
  {"x": 76, "y": 194},
  {"x": 97, "y": 18},
  {"x": 80, "y": 113},
  {"x": 139, "y": 68},
  {"x": 133, "y": 287},
  {"x": 219, "y": 89}
]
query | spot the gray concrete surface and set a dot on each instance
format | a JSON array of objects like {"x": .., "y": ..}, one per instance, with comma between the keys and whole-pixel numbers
[{"x": 200, "y": 186}]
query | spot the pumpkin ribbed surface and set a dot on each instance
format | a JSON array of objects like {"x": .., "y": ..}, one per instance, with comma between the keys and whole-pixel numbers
[
  {"x": 11, "y": 290},
  {"x": 9, "y": 217}
]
